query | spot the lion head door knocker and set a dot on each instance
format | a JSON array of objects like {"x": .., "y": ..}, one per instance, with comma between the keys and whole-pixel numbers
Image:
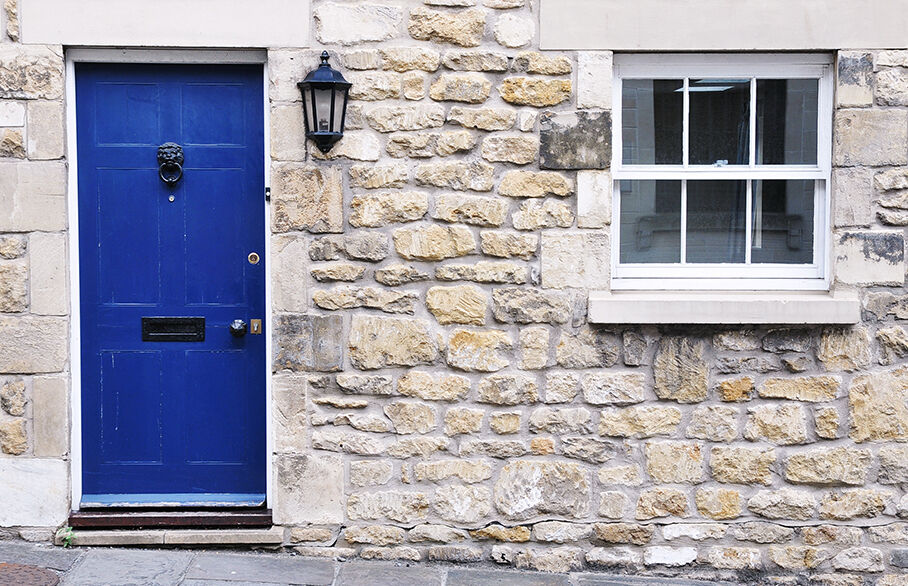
[{"x": 170, "y": 159}]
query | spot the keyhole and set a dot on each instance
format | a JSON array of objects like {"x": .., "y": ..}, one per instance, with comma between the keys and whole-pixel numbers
[{"x": 253, "y": 258}]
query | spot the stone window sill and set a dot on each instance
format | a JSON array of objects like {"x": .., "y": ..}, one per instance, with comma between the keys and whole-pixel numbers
[{"x": 725, "y": 308}]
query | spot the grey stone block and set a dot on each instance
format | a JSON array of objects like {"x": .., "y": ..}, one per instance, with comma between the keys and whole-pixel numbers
[
  {"x": 110, "y": 566},
  {"x": 308, "y": 342},
  {"x": 377, "y": 574},
  {"x": 576, "y": 140},
  {"x": 260, "y": 568},
  {"x": 600, "y": 580},
  {"x": 504, "y": 578},
  {"x": 899, "y": 558}
]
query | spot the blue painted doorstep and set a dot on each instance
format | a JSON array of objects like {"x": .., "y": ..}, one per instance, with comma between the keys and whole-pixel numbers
[{"x": 171, "y": 421}]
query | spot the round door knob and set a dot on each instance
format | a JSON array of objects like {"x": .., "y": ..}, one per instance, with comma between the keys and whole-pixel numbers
[{"x": 238, "y": 328}]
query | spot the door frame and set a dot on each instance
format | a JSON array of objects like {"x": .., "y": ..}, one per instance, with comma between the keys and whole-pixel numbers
[{"x": 150, "y": 56}]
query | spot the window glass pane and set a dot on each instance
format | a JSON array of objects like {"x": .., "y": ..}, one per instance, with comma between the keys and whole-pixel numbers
[
  {"x": 652, "y": 114},
  {"x": 716, "y": 213},
  {"x": 650, "y": 221},
  {"x": 787, "y": 121},
  {"x": 783, "y": 222},
  {"x": 719, "y": 121}
]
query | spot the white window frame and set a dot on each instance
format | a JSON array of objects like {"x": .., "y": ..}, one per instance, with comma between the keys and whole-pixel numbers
[{"x": 753, "y": 277}]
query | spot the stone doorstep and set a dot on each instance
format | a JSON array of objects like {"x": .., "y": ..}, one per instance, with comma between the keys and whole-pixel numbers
[{"x": 107, "y": 537}]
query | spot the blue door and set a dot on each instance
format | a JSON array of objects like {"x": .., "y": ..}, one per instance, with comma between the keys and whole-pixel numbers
[{"x": 173, "y": 401}]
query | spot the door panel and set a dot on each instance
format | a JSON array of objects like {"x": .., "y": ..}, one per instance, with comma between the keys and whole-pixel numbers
[{"x": 183, "y": 421}]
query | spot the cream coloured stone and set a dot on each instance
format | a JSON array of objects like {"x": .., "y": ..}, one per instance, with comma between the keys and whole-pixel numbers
[
  {"x": 484, "y": 272},
  {"x": 537, "y": 92},
  {"x": 12, "y": 144},
  {"x": 718, "y": 423},
  {"x": 639, "y": 421},
  {"x": 45, "y": 130},
  {"x": 870, "y": 258},
  {"x": 563, "y": 267},
  {"x": 534, "y": 348},
  {"x": 12, "y": 247},
  {"x": 436, "y": 533},
  {"x": 397, "y": 118},
  {"x": 356, "y": 146},
  {"x": 33, "y": 344},
  {"x": 373, "y": 86},
  {"x": 509, "y": 244},
  {"x": 497, "y": 532},
  {"x": 306, "y": 198},
  {"x": 13, "y": 437},
  {"x": 560, "y": 532},
  {"x": 483, "y": 118},
  {"x": 32, "y": 195},
  {"x": 815, "y": 389},
  {"x": 455, "y": 141},
  {"x": 376, "y": 342},
  {"x": 361, "y": 422},
  {"x": 845, "y": 349},
  {"x": 669, "y": 556},
  {"x": 422, "y": 447},
  {"x": 348, "y": 297},
  {"x": 594, "y": 199},
  {"x": 784, "y": 503},
  {"x": 370, "y": 472},
  {"x": 463, "y": 28},
  {"x": 594, "y": 79},
  {"x": 413, "y": 87},
  {"x": 297, "y": 478},
  {"x": 761, "y": 532},
  {"x": 349, "y": 442},
  {"x": 555, "y": 560},
  {"x": 50, "y": 417},
  {"x": 433, "y": 242},
  {"x": 505, "y": 423},
  {"x": 535, "y": 184},
  {"x": 669, "y": 461},
  {"x": 823, "y": 534},
  {"x": 503, "y": 449},
  {"x": 508, "y": 389},
  {"x": 469, "y": 471},
  {"x": 362, "y": 59},
  {"x": 13, "y": 287},
  {"x": 740, "y": 465},
  {"x": 390, "y": 553},
  {"x": 661, "y": 502},
  {"x": 859, "y": 559},
  {"x": 417, "y": 145},
  {"x": 471, "y": 88},
  {"x": 718, "y": 503},
  {"x": 478, "y": 351},
  {"x": 349, "y": 24},
  {"x": 424, "y": 385},
  {"x": 561, "y": 387},
  {"x": 842, "y": 465},
  {"x": 735, "y": 558},
  {"x": 535, "y": 215},
  {"x": 460, "y": 60},
  {"x": 627, "y": 475},
  {"x": 526, "y": 120},
  {"x": 514, "y": 31},
  {"x": 23, "y": 478},
  {"x": 503, "y": 4},
  {"x": 525, "y": 489},
  {"x": 612, "y": 504},
  {"x": 680, "y": 371},
  {"x": 401, "y": 506},
  {"x": 374, "y": 535},
  {"x": 852, "y": 504},
  {"x": 871, "y": 137},
  {"x": 462, "y": 504},
  {"x": 541, "y": 63},
  {"x": 520, "y": 150},
  {"x": 560, "y": 421},
  {"x": 411, "y": 417},
  {"x": 893, "y": 344},
  {"x": 892, "y": 87},
  {"x": 694, "y": 531},
  {"x": 340, "y": 271},
  {"x": 288, "y": 277},
  {"x": 403, "y": 59},
  {"x": 631, "y": 533},
  {"x": 778, "y": 424},
  {"x": 826, "y": 421},
  {"x": 463, "y": 304},
  {"x": 878, "y": 407},
  {"x": 378, "y": 176},
  {"x": 12, "y": 113},
  {"x": 794, "y": 557},
  {"x": 463, "y": 421},
  {"x": 893, "y": 464},
  {"x": 613, "y": 388},
  {"x": 398, "y": 274},
  {"x": 852, "y": 195},
  {"x": 457, "y": 175},
  {"x": 470, "y": 209}
]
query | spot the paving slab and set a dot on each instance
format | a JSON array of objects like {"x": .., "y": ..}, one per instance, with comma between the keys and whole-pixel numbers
[
  {"x": 227, "y": 583},
  {"x": 44, "y": 556},
  {"x": 379, "y": 574},
  {"x": 504, "y": 578},
  {"x": 110, "y": 567},
  {"x": 261, "y": 568}
]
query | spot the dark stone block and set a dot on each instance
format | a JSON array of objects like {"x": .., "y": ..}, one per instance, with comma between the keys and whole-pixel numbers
[
  {"x": 877, "y": 246},
  {"x": 899, "y": 558},
  {"x": 308, "y": 343},
  {"x": 576, "y": 140},
  {"x": 856, "y": 70}
]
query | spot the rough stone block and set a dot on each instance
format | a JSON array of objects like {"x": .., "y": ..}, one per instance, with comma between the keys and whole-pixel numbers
[
  {"x": 48, "y": 284},
  {"x": 575, "y": 259},
  {"x": 870, "y": 258},
  {"x": 528, "y": 488},
  {"x": 349, "y": 24},
  {"x": 870, "y": 137},
  {"x": 306, "y": 198},
  {"x": 855, "y": 80},
  {"x": 878, "y": 408},
  {"x": 31, "y": 72},
  {"x": 536, "y": 92},
  {"x": 463, "y": 28},
  {"x": 13, "y": 287},
  {"x": 308, "y": 342},
  {"x": 577, "y": 140},
  {"x": 32, "y": 344},
  {"x": 376, "y": 342},
  {"x": 289, "y": 413},
  {"x": 300, "y": 477}
]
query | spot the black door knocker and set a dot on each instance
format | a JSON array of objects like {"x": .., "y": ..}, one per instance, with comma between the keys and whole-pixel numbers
[{"x": 170, "y": 159}]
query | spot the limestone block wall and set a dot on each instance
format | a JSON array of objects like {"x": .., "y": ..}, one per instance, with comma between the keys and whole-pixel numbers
[
  {"x": 34, "y": 299},
  {"x": 439, "y": 392}
]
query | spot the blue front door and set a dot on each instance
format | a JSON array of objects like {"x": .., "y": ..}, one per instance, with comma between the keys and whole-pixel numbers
[{"x": 173, "y": 410}]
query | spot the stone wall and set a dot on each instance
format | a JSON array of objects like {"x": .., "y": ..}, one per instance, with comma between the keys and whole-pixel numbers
[
  {"x": 438, "y": 394},
  {"x": 34, "y": 299},
  {"x": 439, "y": 387}
]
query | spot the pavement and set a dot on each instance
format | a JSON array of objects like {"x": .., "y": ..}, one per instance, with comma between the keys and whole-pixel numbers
[{"x": 103, "y": 566}]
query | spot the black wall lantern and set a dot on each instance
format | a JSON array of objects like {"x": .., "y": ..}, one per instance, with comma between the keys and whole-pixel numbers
[{"x": 324, "y": 104}]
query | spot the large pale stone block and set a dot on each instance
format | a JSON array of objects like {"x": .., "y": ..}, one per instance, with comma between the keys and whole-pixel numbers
[
  {"x": 48, "y": 286},
  {"x": 349, "y": 24},
  {"x": 288, "y": 134},
  {"x": 852, "y": 196},
  {"x": 309, "y": 490},
  {"x": 463, "y": 28},
  {"x": 870, "y": 137},
  {"x": 12, "y": 114},
  {"x": 870, "y": 258},
  {"x": 45, "y": 130},
  {"x": 289, "y": 413},
  {"x": 32, "y": 72},
  {"x": 286, "y": 68},
  {"x": 307, "y": 198},
  {"x": 594, "y": 199},
  {"x": 289, "y": 259},
  {"x": 594, "y": 79},
  {"x": 32, "y": 196},
  {"x": 33, "y": 344},
  {"x": 879, "y": 410},
  {"x": 376, "y": 342},
  {"x": 50, "y": 416},
  {"x": 525, "y": 489},
  {"x": 34, "y": 493},
  {"x": 575, "y": 259}
]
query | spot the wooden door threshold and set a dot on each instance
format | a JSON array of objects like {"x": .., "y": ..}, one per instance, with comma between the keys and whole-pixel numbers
[{"x": 196, "y": 519}]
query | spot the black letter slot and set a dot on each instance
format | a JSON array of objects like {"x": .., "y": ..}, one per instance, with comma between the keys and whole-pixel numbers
[{"x": 173, "y": 329}]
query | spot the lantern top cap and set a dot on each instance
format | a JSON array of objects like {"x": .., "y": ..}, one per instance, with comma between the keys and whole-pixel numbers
[{"x": 325, "y": 76}]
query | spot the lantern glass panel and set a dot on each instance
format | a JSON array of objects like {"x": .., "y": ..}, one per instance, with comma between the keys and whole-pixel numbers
[
  {"x": 340, "y": 95},
  {"x": 323, "y": 110},
  {"x": 307, "y": 111}
]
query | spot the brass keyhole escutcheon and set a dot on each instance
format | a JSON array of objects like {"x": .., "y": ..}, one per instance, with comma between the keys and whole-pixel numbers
[{"x": 254, "y": 258}]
